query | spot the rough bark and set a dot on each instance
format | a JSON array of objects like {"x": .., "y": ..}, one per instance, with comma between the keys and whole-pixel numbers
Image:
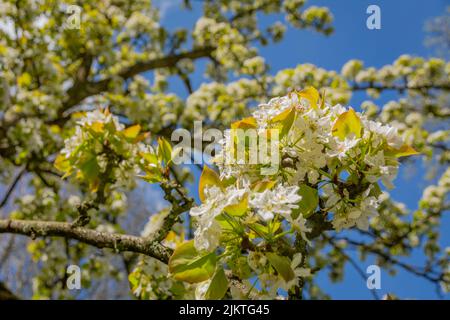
[{"x": 117, "y": 242}]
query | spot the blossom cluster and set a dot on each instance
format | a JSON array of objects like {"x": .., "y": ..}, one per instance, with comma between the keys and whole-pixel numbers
[
  {"x": 101, "y": 149},
  {"x": 331, "y": 163},
  {"x": 333, "y": 160}
]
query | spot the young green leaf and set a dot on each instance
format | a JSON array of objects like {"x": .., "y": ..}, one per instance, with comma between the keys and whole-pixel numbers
[
  {"x": 282, "y": 265},
  {"x": 346, "y": 124},
  {"x": 310, "y": 94},
  {"x": 187, "y": 264},
  {"x": 62, "y": 163},
  {"x": 164, "y": 150},
  {"x": 284, "y": 121},
  {"x": 309, "y": 202},
  {"x": 238, "y": 209},
  {"x": 218, "y": 286},
  {"x": 132, "y": 132},
  {"x": 403, "y": 151},
  {"x": 261, "y": 186},
  {"x": 208, "y": 178},
  {"x": 246, "y": 123}
]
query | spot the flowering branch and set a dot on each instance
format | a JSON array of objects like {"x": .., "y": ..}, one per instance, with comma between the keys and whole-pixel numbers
[{"x": 401, "y": 88}]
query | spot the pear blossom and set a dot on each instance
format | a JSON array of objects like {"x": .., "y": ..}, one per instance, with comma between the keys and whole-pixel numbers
[{"x": 278, "y": 201}]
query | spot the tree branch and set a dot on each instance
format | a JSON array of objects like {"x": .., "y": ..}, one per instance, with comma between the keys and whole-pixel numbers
[
  {"x": 178, "y": 207},
  {"x": 82, "y": 90},
  {"x": 392, "y": 260},
  {"x": 118, "y": 242},
  {"x": 401, "y": 88},
  {"x": 6, "y": 294},
  {"x": 11, "y": 188}
]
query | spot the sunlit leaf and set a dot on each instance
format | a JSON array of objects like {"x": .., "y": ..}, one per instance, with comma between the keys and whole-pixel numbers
[
  {"x": 187, "y": 264},
  {"x": 347, "y": 123},
  {"x": 208, "y": 178},
  {"x": 310, "y": 94},
  {"x": 259, "y": 229},
  {"x": 164, "y": 150},
  {"x": 132, "y": 132},
  {"x": 62, "y": 163},
  {"x": 24, "y": 79},
  {"x": 246, "y": 123},
  {"x": 97, "y": 127},
  {"x": 218, "y": 286},
  {"x": 238, "y": 209},
  {"x": 149, "y": 157},
  {"x": 403, "y": 151},
  {"x": 261, "y": 186},
  {"x": 224, "y": 222},
  {"x": 78, "y": 115},
  {"x": 309, "y": 202},
  {"x": 284, "y": 121},
  {"x": 282, "y": 265}
]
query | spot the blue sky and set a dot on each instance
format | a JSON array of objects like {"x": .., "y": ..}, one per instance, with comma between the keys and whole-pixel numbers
[{"x": 402, "y": 32}]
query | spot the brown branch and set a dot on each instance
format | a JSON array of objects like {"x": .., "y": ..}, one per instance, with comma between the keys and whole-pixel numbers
[
  {"x": 387, "y": 257},
  {"x": 178, "y": 207},
  {"x": 117, "y": 242},
  {"x": 11, "y": 188},
  {"x": 82, "y": 90},
  {"x": 6, "y": 294},
  {"x": 401, "y": 88}
]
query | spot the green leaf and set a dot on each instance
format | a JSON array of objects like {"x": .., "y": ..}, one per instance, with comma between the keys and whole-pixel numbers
[
  {"x": 261, "y": 186},
  {"x": 178, "y": 290},
  {"x": 187, "y": 264},
  {"x": 164, "y": 150},
  {"x": 310, "y": 94},
  {"x": 322, "y": 100},
  {"x": 133, "y": 279},
  {"x": 218, "y": 286},
  {"x": 97, "y": 127},
  {"x": 282, "y": 265},
  {"x": 283, "y": 121},
  {"x": 149, "y": 157},
  {"x": 132, "y": 132},
  {"x": 239, "y": 267},
  {"x": 246, "y": 123},
  {"x": 224, "y": 222},
  {"x": 309, "y": 202},
  {"x": 375, "y": 191},
  {"x": 259, "y": 229},
  {"x": 238, "y": 209},
  {"x": 62, "y": 163},
  {"x": 346, "y": 124},
  {"x": 152, "y": 176},
  {"x": 403, "y": 151},
  {"x": 208, "y": 178},
  {"x": 24, "y": 80},
  {"x": 90, "y": 168}
]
